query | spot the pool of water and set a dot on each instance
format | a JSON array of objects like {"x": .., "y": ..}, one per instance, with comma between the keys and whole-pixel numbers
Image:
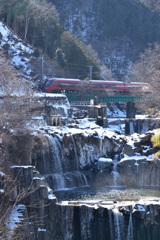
[{"x": 107, "y": 193}]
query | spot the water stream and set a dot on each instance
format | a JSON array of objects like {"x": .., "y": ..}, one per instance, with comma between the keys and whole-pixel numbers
[
  {"x": 130, "y": 228},
  {"x": 115, "y": 173}
]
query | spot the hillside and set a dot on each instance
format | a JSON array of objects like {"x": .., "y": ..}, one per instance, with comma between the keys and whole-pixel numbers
[
  {"x": 118, "y": 30},
  {"x": 37, "y": 23}
]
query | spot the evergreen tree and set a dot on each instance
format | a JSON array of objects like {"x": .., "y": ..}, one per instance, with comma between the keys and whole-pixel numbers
[{"x": 156, "y": 143}]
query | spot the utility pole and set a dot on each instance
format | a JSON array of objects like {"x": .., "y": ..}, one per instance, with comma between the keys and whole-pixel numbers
[
  {"x": 90, "y": 72},
  {"x": 42, "y": 69}
]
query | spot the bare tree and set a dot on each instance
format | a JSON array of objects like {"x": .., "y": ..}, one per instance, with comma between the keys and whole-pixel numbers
[
  {"x": 6, "y": 6},
  {"x": 17, "y": 102},
  {"x": 147, "y": 69}
]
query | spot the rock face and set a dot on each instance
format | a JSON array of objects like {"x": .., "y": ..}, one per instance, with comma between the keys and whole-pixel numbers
[
  {"x": 64, "y": 157},
  {"x": 141, "y": 125},
  {"x": 71, "y": 157},
  {"x": 115, "y": 39},
  {"x": 139, "y": 172},
  {"x": 96, "y": 220}
]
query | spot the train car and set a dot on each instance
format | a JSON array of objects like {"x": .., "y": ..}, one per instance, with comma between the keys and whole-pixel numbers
[
  {"x": 106, "y": 86},
  {"x": 137, "y": 87},
  {"x": 57, "y": 85}
]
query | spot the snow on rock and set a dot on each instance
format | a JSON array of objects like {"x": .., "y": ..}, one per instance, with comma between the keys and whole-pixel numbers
[
  {"x": 2, "y": 174},
  {"x": 98, "y": 132},
  {"x": 14, "y": 219},
  {"x": 58, "y": 102},
  {"x": 50, "y": 95},
  {"x": 140, "y": 208},
  {"x": 19, "y": 51},
  {"x": 114, "y": 111},
  {"x": 136, "y": 158},
  {"x": 104, "y": 159},
  {"x": 41, "y": 230},
  {"x": 86, "y": 124},
  {"x": 25, "y": 166}
]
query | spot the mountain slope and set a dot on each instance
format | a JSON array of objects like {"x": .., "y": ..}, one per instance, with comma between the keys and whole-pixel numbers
[{"x": 118, "y": 30}]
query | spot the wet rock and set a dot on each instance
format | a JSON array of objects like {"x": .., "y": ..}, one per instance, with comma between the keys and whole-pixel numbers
[{"x": 139, "y": 171}]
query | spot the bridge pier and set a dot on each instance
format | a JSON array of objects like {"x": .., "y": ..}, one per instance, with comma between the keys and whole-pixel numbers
[
  {"x": 131, "y": 110},
  {"x": 97, "y": 112}
]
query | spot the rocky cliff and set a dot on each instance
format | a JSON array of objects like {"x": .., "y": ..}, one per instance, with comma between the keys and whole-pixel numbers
[
  {"x": 118, "y": 31},
  {"x": 61, "y": 157}
]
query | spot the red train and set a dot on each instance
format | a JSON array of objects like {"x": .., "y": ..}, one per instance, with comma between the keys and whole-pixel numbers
[{"x": 57, "y": 85}]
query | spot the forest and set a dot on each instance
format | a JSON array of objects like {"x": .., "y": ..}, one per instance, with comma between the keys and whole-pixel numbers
[{"x": 37, "y": 22}]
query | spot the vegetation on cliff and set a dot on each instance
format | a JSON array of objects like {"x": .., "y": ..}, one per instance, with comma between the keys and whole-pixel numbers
[
  {"x": 147, "y": 69},
  {"x": 156, "y": 143},
  {"x": 37, "y": 22}
]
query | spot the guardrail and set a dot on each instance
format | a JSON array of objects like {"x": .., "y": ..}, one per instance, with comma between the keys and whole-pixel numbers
[
  {"x": 103, "y": 99},
  {"x": 87, "y": 103}
]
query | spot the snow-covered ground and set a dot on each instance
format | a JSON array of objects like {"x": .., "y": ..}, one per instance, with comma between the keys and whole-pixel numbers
[
  {"x": 114, "y": 111},
  {"x": 19, "y": 51}
]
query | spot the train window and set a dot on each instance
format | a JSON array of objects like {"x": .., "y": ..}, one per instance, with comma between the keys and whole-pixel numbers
[
  {"x": 48, "y": 83},
  {"x": 103, "y": 86},
  {"x": 134, "y": 87},
  {"x": 63, "y": 84}
]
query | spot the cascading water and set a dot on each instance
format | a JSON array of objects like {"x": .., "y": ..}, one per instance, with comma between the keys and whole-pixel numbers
[
  {"x": 56, "y": 154},
  {"x": 110, "y": 223},
  {"x": 115, "y": 173},
  {"x": 130, "y": 228},
  {"x": 118, "y": 224},
  {"x": 75, "y": 152},
  {"x": 57, "y": 178}
]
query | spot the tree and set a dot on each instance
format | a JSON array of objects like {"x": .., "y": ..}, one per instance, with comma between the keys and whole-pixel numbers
[
  {"x": 59, "y": 56},
  {"x": 153, "y": 4},
  {"x": 77, "y": 57},
  {"x": 46, "y": 18},
  {"x": 147, "y": 69},
  {"x": 13, "y": 191},
  {"x": 156, "y": 143},
  {"x": 6, "y": 7},
  {"x": 17, "y": 101}
]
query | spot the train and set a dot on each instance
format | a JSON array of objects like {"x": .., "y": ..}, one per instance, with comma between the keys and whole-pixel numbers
[{"x": 64, "y": 85}]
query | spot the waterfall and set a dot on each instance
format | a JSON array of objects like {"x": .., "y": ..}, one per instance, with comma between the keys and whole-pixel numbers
[
  {"x": 137, "y": 165},
  {"x": 130, "y": 228},
  {"x": 54, "y": 174},
  {"x": 55, "y": 180},
  {"x": 56, "y": 154},
  {"x": 110, "y": 224},
  {"x": 59, "y": 181},
  {"x": 101, "y": 146},
  {"x": 118, "y": 224},
  {"x": 75, "y": 152},
  {"x": 44, "y": 160},
  {"x": 155, "y": 177},
  {"x": 114, "y": 173}
]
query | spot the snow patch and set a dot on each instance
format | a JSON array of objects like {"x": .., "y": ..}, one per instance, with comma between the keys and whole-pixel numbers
[
  {"x": 105, "y": 159},
  {"x": 133, "y": 158},
  {"x": 140, "y": 208},
  {"x": 41, "y": 230},
  {"x": 25, "y": 166},
  {"x": 14, "y": 219},
  {"x": 17, "y": 49},
  {"x": 2, "y": 174}
]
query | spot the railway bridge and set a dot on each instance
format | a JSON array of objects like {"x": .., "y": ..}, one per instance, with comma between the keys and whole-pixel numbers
[{"x": 96, "y": 106}]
